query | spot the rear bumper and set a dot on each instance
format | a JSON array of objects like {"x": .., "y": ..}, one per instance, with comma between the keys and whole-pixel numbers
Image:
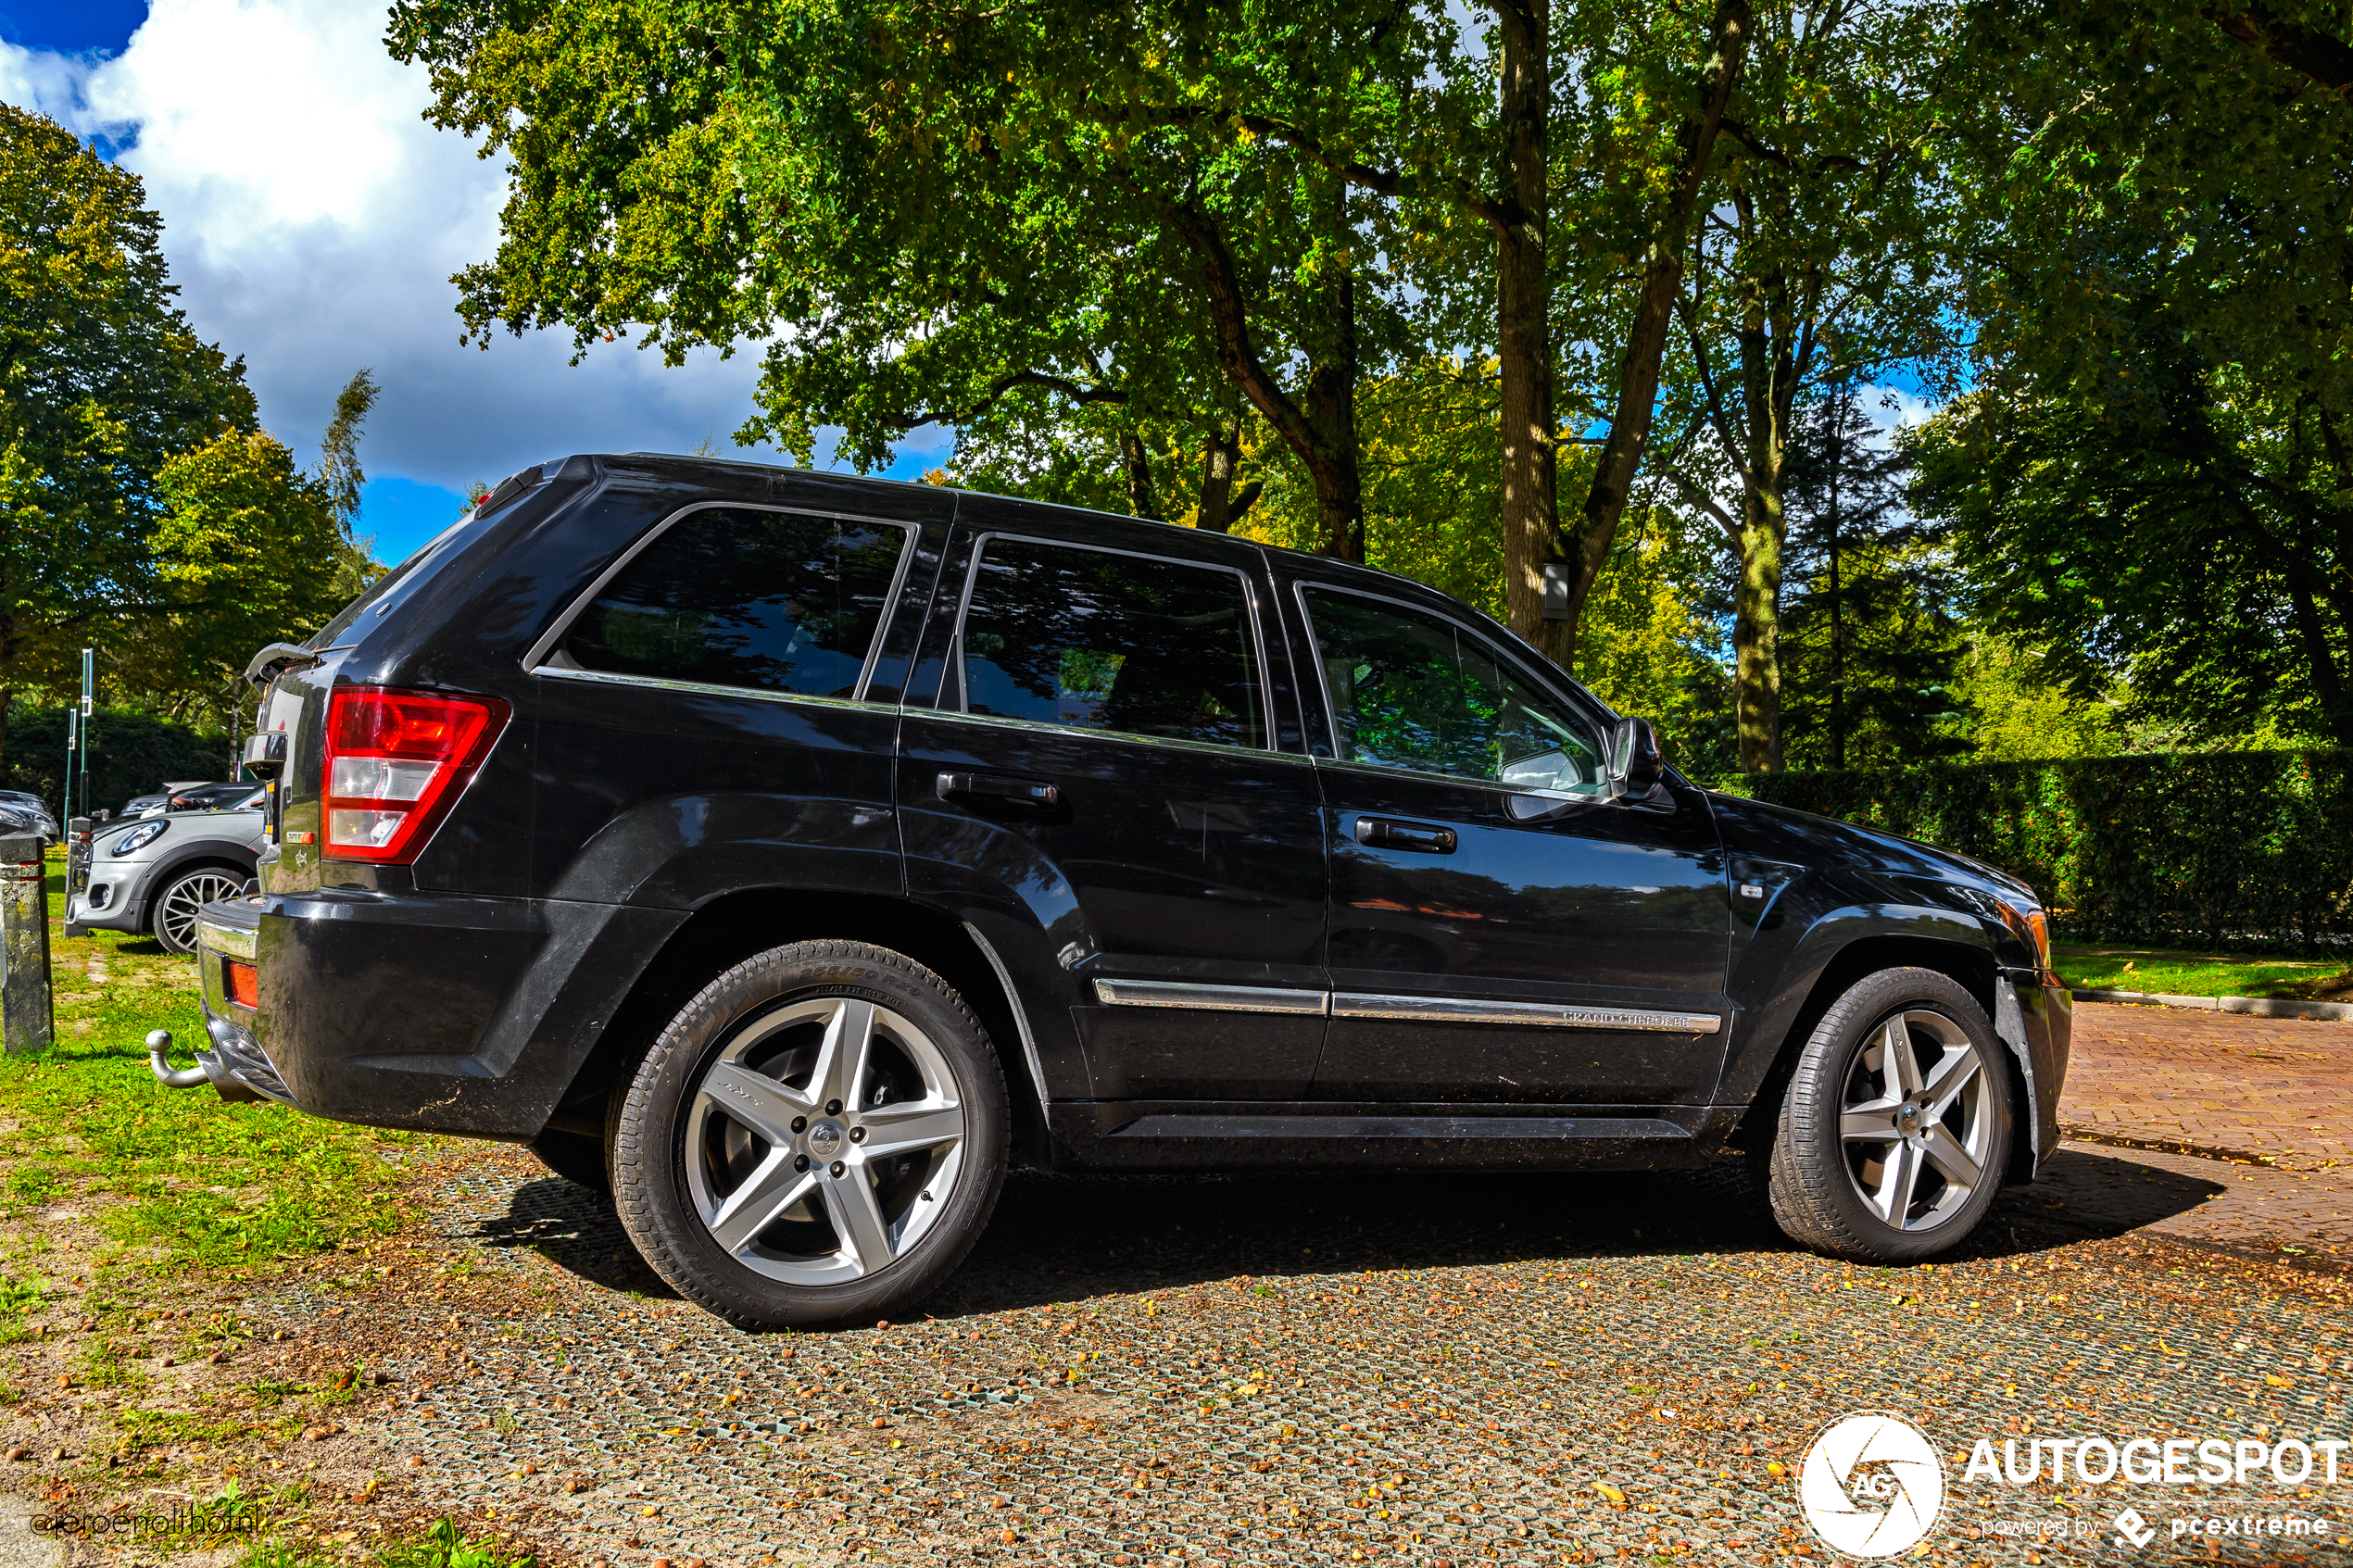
[{"x": 428, "y": 1011}]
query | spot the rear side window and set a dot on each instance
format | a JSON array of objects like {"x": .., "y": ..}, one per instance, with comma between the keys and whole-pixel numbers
[
  {"x": 1062, "y": 635},
  {"x": 733, "y": 596}
]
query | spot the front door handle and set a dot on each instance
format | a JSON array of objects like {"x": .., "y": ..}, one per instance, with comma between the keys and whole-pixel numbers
[
  {"x": 996, "y": 789},
  {"x": 1419, "y": 838}
]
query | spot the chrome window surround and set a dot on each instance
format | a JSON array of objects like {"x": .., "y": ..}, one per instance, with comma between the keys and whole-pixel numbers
[
  {"x": 1419, "y": 1009},
  {"x": 1331, "y": 709},
  {"x": 955, "y": 660},
  {"x": 534, "y": 661}
]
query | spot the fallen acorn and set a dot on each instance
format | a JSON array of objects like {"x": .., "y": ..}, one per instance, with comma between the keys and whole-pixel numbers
[{"x": 19, "y": 1452}]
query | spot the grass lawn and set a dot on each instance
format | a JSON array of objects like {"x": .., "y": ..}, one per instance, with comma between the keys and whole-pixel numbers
[
  {"x": 2179, "y": 973},
  {"x": 135, "y": 1222}
]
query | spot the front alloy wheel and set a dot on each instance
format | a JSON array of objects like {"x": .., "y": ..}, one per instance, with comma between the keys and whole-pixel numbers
[
  {"x": 817, "y": 1138},
  {"x": 1896, "y": 1131},
  {"x": 183, "y": 898}
]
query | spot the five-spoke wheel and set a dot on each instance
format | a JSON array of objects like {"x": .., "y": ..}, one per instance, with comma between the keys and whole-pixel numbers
[
  {"x": 1917, "y": 1120},
  {"x": 823, "y": 1139},
  {"x": 817, "y": 1137},
  {"x": 1896, "y": 1131}
]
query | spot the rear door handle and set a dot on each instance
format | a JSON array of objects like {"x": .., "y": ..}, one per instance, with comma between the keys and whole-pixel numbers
[
  {"x": 1419, "y": 838},
  {"x": 995, "y": 789}
]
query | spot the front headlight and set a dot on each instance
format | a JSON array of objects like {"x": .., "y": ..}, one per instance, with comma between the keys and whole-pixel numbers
[
  {"x": 2035, "y": 927},
  {"x": 138, "y": 838}
]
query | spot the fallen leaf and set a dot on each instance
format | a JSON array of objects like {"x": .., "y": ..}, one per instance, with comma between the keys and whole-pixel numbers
[
  {"x": 2276, "y": 1381},
  {"x": 1612, "y": 1493}
]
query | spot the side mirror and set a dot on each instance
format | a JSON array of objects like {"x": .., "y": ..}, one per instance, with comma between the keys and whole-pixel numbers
[{"x": 1633, "y": 756}]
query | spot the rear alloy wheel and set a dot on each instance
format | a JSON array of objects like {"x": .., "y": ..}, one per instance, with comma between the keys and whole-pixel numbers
[
  {"x": 1895, "y": 1134},
  {"x": 177, "y": 905},
  {"x": 817, "y": 1138}
]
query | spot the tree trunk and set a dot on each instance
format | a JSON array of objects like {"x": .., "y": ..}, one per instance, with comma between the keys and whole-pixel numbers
[
  {"x": 1523, "y": 336},
  {"x": 1221, "y": 505},
  {"x": 1138, "y": 469},
  {"x": 1621, "y": 455},
  {"x": 1323, "y": 434},
  {"x": 1756, "y": 633},
  {"x": 1331, "y": 403}
]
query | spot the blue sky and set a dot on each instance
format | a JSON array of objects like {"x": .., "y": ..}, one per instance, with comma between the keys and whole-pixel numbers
[{"x": 312, "y": 222}]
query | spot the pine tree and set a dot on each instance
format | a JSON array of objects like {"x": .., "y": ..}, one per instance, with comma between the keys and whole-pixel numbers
[{"x": 1870, "y": 644}]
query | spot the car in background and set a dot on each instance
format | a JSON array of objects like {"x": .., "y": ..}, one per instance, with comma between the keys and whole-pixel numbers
[
  {"x": 152, "y": 874},
  {"x": 21, "y": 812},
  {"x": 140, "y": 805}
]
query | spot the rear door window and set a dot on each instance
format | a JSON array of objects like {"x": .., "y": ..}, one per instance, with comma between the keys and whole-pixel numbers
[
  {"x": 1098, "y": 640},
  {"x": 739, "y": 596}
]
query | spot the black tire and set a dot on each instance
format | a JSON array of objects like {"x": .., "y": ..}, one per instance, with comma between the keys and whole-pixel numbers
[
  {"x": 1818, "y": 1171},
  {"x": 171, "y": 912},
  {"x": 677, "y": 1168},
  {"x": 576, "y": 1158}
]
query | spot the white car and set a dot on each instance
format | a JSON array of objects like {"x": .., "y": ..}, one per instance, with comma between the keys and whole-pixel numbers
[{"x": 152, "y": 874}]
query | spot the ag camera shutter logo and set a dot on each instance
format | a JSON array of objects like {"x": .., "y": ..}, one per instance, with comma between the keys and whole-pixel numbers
[{"x": 1871, "y": 1485}]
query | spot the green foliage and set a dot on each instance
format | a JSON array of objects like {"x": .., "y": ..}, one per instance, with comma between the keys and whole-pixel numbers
[
  {"x": 445, "y": 1547},
  {"x": 2227, "y": 850},
  {"x": 2151, "y": 482},
  {"x": 101, "y": 381},
  {"x": 1870, "y": 644},
  {"x": 130, "y": 754}
]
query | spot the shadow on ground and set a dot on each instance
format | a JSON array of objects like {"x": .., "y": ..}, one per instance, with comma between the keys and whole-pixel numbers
[{"x": 1066, "y": 1238}]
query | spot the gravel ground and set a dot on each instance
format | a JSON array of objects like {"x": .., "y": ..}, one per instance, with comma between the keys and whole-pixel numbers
[{"x": 1443, "y": 1370}]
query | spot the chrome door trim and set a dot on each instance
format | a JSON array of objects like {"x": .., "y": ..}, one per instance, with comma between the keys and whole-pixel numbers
[
  {"x": 1215, "y": 999},
  {"x": 1122, "y": 737},
  {"x": 706, "y": 688},
  {"x": 1467, "y": 1009},
  {"x": 535, "y": 662}
]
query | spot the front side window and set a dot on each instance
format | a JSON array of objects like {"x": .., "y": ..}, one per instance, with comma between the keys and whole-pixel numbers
[
  {"x": 733, "y": 596},
  {"x": 1062, "y": 635},
  {"x": 1413, "y": 691}
]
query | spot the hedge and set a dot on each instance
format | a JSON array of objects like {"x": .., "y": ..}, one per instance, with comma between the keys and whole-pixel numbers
[
  {"x": 2224, "y": 849},
  {"x": 131, "y": 754}
]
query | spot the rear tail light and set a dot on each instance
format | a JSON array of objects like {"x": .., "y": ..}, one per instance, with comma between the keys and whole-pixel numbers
[
  {"x": 397, "y": 762},
  {"x": 244, "y": 984}
]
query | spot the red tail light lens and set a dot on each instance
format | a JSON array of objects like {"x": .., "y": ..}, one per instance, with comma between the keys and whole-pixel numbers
[{"x": 397, "y": 762}]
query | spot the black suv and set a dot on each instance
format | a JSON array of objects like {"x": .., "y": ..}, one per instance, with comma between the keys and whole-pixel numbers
[{"x": 795, "y": 852}]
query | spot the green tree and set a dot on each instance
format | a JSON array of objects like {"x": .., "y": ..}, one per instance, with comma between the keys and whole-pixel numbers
[
  {"x": 1870, "y": 641},
  {"x": 249, "y": 551},
  {"x": 1825, "y": 262},
  {"x": 101, "y": 383},
  {"x": 2152, "y": 485}
]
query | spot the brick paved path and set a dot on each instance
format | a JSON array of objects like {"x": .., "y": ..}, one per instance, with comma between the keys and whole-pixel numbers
[{"x": 2265, "y": 1087}]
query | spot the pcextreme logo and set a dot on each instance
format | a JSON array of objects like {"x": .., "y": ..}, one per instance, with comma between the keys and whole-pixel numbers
[{"x": 1871, "y": 1485}]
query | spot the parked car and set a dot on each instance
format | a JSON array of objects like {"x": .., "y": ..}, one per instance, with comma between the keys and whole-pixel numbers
[
  {"x": 22, "y": 812},
  {"x": 154, "y": 873},
  {"x": 797, "y": 853},
  {"x": 140, "y": 805}
]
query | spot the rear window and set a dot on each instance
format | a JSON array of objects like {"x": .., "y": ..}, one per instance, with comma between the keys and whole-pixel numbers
[
  {"x": 1061, "y": 635},
  {"x": 737, "y": 596}
]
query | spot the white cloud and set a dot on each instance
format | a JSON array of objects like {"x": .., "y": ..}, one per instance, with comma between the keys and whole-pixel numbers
[
  {"x": 312, "y": 222},
  {"x": 1891, "y": 408}
]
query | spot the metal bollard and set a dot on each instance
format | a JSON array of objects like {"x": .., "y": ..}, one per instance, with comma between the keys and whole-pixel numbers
[{"x": 25, "y": 1019}]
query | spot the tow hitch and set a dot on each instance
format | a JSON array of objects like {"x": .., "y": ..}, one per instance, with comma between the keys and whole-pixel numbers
[{"x": 158, "y": 1061}]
